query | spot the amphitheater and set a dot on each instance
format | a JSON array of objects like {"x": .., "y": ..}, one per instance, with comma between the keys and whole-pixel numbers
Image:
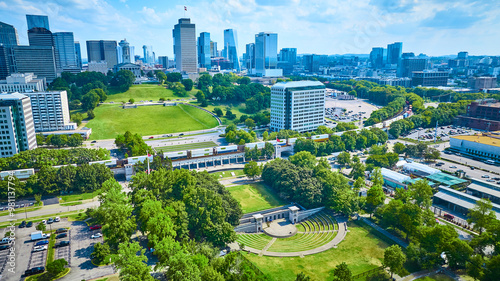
[{"x": 290, "y": 231}]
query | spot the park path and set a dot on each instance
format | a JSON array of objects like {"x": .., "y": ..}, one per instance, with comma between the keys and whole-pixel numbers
[
  {"x": 385, "y": 232},
  {"x": 342, "y": 223}
]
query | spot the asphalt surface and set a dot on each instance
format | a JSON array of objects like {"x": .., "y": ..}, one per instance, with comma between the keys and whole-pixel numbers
[
  {"x": 443, "y": 132},
  {"x": 50, "y": 211}
]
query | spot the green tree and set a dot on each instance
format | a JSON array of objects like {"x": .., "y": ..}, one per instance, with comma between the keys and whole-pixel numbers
[
  {"x": 376, "y": 177},
  {"x": 394, "y": 258},
  {"x": 375, "y": 197},
  {"x": 132, "y": 267},
  {"x": 188, "y": 84},
  {"x": 342, "y": 273},
  {"x": 90, "y": 100},
  {"x": 38, "y": 199},
  {"x": 475, "y": 268},
  {"x": 358, "y": 170},
  {"x": 218, "y": 112},
  {"x": 302, "y": 277},
  {"x": 250, "y": 123},
  {"x": 303, "y": 159},
  {"x": 344, "y": 158},
  {"x": 252, "y": 170},
  {"x": 481, "y": 215},
  {"x": 77, "y": 118},
  {"x": 422, "y": 193},
  {"x": 56, "y": 267},
  {"x": 174, "y": 77},
  {"x": 268, "y": 150},
  {"x": 40, "y": 139},
  {"x": 123, "y": 79},
  {"x": 100, "y": 252},
  {"x": 75, "y": 140},
  {"x": 399, "y": 148},
  {"x": 131, "y": 101},
  {"x": 41, "y": 226}
]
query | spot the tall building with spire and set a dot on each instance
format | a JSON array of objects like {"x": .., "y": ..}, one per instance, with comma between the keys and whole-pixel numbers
[
  {"x": 184, "y": 34},
  {"x": 124, "y": 52}
]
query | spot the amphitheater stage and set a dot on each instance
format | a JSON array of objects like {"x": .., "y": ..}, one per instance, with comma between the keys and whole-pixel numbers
[{"x": 281, "y": 228}]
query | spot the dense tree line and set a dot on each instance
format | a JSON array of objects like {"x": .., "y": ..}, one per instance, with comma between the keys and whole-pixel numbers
[
  {"x": 54, "y": 181},
  {"x": 185, "y": 215},
  {"x": 310, "y": 183},
  {"x": 74, "y": 140},
  {"x": 420, "y": 150},
  {"x": 37, "y": 158},
  {"x": 132, "y": 145},
  {"x": 231, "y": 88},
  {"x": 233, "y": 135}
]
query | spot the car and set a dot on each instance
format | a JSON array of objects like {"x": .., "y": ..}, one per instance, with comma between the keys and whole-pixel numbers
[
  {"x": 39, "y": 248},
  {"x": 95, "y": 227},
  {"x": 448, "y": 216},
  {"x": 181, "y": 134},
  {"x": 23, "y": 224},
  {"x": 44, "y": 222},
  {"x": 151, "y": 137},
  {"x": 29, "y": 224},
  {"x": 498, "y": 182},
  {"x": 1, "y": 208},
  {"x": 62, "y": 235},
  {"x": 34, "y": 270},
  {"x": 485, "y": 176},
  {"x": 22, "y": 205},
  {"x": 61, "y": 230},
  {"x": 43, "y": 242},
  {"x": 57, "y": 219},
  {"x": 453, "y": 167},
  {"x": 496, "y": 178},
  {"x": 93, "y": 141},
  {"x": 31, "y": 203},
  {"x": 97, "y": 235},
  {"x": 4, "y": 247},
  {"x": 50, "y": 220},
  {"x": 61, "y": 244},
  {"x": 490, "y": 180},
  {"x": 472, "y": 168}
]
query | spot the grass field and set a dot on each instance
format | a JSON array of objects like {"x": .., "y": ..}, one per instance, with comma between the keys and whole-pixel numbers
[
  {"x": 237, "y": 109},
  {"x": 142, "y": 92},
  {"x": 111, "y": 120},
  {"x": 194, "y": 145},
  {"x": 227, "y": 174},
  {"x": 255, "y": 197},
  {"x": 361, "y": 250},
  {"x": 78, "y": 197}
]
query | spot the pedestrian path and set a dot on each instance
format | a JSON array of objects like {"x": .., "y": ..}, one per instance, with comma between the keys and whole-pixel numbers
[{"x": 385, "y": 232}]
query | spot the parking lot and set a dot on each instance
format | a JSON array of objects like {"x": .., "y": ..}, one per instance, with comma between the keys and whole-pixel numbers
[
  {"x": 64, "y": 252},
  {"x": 348, "y": 110},
  {"x": 443, "y": 133},
  {"x": 37, "y": 259}
]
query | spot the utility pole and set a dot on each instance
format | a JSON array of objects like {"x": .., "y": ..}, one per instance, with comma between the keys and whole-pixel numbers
[{"x": 436, "y": 132}]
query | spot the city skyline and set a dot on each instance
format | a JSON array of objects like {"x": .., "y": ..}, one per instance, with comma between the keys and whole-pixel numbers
[{"x": 320, "y": 27}]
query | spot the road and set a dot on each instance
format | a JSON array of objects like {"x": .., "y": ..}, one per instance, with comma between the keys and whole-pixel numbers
[
  {"x": 476, "y": 173},
  {"x": 471, "y": 162},
  {"x": 51, "y": 211}
]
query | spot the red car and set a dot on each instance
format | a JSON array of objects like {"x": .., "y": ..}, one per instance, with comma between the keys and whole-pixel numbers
[
  {"x": 95, "y": 227},
  {"x": 151, "y": 137}
]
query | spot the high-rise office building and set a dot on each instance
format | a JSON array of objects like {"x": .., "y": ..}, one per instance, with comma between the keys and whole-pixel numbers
[
  {"x": 40, "y": 60},
  {"x": 37, "y": 21},
  {"x": 50, "y": 111},
  {"x": 18, "y": 131},
  {"x": 163, "y": 60},
  {"x": 148, "y": 54},
  {"x": 78, "y": 53},
  {"x": 408, "y": 65},
  {"x": 231, "y": 48},
  {"x": 8, "y": 39},
  {"x": 42, "y": 37},
  {"x": 124, "y": 52},
  {"x": 184, "y": 34},
  {"x": 289, "y": 55},
  {"x": 429, "y": 78},
  {"x": 102, "y": 50},
  {"x": 250, "y": 57},
  {"x": 394, "y": 51},
  {"x": 311, "y": 63},
  {"x": 22, "y": 82},
  {"x": 204, "y": 50},
  {"x": 377, "y": 57},
  {"x": 65, "y": 48},
  {"x": 463, "y": 55},
  {"x": 266, "y": 54},
  {"x": 298, "y": 106},
  {"x": 213, "y": 49}
]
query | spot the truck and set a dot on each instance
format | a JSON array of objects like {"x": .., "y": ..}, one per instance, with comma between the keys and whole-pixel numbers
[{"x": 37, "y": 235}]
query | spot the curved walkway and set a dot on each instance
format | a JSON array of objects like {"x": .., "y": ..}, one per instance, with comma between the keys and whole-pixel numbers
[{"x": 342, "y": 223}]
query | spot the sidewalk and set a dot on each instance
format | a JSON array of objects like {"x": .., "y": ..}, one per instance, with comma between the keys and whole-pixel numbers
[{"x": 385, "y": 232}]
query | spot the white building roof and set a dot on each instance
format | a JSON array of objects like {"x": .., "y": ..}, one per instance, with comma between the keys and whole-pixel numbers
[
  {"x": 394, "y": 176},
  {"x": 420, "y": 167},
  {"x": 296, "y": 84}
]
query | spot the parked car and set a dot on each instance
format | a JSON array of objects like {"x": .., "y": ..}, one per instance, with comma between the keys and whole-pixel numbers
[
  {"x": 23, "y": 224},
  {"x": 57, "y": 219},
  {"x": 97, "y": 235},
  {"x": 4, "y": 247},
  {"x": 151, "y": 137},
  {"x": 453, "y": 167},
  {"x": 29, "y": 224},
  {"x": 61, "y": 244},
  {"x": 44, "y": 222},
  {"x": 448, "y": 216},
  {"x": 472, "y": 168},
  {"x": 95, "y": 227},
  {"x": 39, "y": 248},
  {"x": 485, "y": 176},
  {"x": 61, "y": 230},
  {"x": 93, "y": 141},
  {"x": 43, "y": 242},
  {"x": 34, "y": 270},
  {"x": 50, "y": 220},
  {"x": 62, "y": 235},
  {"x": 490, "y": 180}
]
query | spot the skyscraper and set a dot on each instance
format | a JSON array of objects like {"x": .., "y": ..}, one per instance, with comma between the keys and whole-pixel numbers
[
  {"x": 78, "y": 53},
  {"x": 266, "y": 54},
  {"x": 65, "y": 48},
  {"x": 37, "y": 21},
  {"x": 18, "y": 132},
  {"x": 102, "y": 50},
  {"x": 163, "y": 60},
  {"x": 39, "y": 36},
  {"x": 250, "y": 57},
  {"x": 377, "y": 57},
  {"x": 123, "y": 51},
  {"x": 8, "y": 39},
  {"x": 311, "y": 63},
  {"x": 231, "y": 48},
  {"x": 409, "y": 64},
  {"x": 213, "y": 49},
  {"x": 204, "y": 50},
  {"x": 394, "y": 51},
  {"x": 289, "y": 55},
  {"x": 40, "y": 60},
  {"x": 184, "y": 34}
]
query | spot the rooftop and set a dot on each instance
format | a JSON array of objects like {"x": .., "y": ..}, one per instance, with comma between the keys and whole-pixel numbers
[
  {"x": 483, "y": 139},
  {"x": 420, "y": 167},
  {"x": 12, "y": 96},
  {"x": 395, "y": 176},
  {"x": 446, "y": 179},
  {"x": 297, "y": 84}
]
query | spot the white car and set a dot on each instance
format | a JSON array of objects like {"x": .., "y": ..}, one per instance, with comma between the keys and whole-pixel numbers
[
  {"x": 44, "y": 221},
  {"x": 40, "y": 248},
  {"x": 57, "y": 219},
  {"x": 97, "y": 235}
]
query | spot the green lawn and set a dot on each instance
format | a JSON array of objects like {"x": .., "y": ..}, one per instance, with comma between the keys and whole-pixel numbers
[
  {"x": 255, "y": 197},
  {"x": 436, "y": 277},
  {"x": 111, "y": 120},
  {"x": 227, "y": 174},
  {"x": 237, "y": 109},
  {"x": 142, "y": 92},
  {"x": 361, "y": 250},
  {"x": 179, "y": 147},
  {"x": 78, "y": 196}
]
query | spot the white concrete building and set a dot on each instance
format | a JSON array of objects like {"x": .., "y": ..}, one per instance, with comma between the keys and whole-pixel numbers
[
  {"x": 17, "y": 132},
  {"x": 50, "y": 111},
  {"x": 101, "y": 67},
  {"x": 298, "y": 106},
  {"x": 22, "y": 82},
  {"x": 134, "y": 68}
]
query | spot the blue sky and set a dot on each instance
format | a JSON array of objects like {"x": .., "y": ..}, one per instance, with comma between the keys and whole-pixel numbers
[{"x": 312, "y": 26}]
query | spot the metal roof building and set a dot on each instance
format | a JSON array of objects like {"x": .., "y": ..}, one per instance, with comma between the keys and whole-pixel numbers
[
  {"x": 459, "y": 201},
  {"x": 420, "y": 169}
]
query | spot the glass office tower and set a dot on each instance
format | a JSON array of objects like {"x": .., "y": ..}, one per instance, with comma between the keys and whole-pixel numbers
[
  {"x": 37, "y": 21},
  {"x": 230, "y": 48},
  {"x": 204, "y": 50},
  {"x": 266, "y": 54}
]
